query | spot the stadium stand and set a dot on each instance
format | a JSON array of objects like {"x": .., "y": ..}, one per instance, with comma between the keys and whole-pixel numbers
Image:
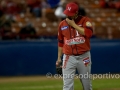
[{"x": 106, "y": 21}]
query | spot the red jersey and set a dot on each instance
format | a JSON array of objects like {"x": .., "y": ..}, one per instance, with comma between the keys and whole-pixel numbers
[{"x": 71, "y": 40}]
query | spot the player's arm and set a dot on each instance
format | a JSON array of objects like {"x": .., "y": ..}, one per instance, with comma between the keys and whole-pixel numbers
[
  {"x": 59, "y": 53},
  {"x": 86, "y": 30},
  {"x": 81, "y": 30},
  {"x": 60, "y": 45}
]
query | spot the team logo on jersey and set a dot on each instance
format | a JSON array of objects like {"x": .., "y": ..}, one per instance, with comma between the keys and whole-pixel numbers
[
  {"x": 64, "y": 27},
  {"x": 86, "y": 61},
  {"x": 77, "y": 40},
  {"x": 88, "y": 24}
]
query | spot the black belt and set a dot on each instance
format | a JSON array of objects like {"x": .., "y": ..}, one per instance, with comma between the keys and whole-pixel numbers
[
  {"x": 79, "y": 54},
  {"x": 76, "y": 54}
]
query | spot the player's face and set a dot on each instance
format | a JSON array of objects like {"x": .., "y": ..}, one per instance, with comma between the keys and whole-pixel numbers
[{"x": 73, "y": 17}]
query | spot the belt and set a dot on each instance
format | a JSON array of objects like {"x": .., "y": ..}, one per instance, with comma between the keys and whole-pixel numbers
[
  {"x": 76, "y": 54},
  {"x": 79, "y": 54}
]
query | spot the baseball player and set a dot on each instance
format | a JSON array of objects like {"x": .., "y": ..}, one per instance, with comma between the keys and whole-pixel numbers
[{"x": 74, "y": 35}]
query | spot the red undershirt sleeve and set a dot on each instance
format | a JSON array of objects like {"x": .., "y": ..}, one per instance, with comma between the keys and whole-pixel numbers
[
  {"x": 60, "y": 37},
  {"x": 88, "y": 32}
]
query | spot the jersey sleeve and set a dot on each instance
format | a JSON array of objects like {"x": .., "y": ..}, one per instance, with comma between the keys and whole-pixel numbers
[
  {"x": 88, "y": 28},
  {"x": 60, "y": 37}
]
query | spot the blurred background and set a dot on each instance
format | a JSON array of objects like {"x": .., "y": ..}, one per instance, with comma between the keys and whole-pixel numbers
[{"x": 28, "y": 35}]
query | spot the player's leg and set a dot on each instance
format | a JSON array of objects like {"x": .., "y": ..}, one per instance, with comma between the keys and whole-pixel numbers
[
  {"x": 69, "y": 68},
  {"x": 84, "y": 70}
]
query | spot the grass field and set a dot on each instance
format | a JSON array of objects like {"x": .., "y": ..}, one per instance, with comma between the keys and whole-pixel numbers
[{"x": 44, "y": 83}]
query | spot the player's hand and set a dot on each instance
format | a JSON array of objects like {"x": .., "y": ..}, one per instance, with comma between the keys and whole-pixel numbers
[
  {"x": 70, "y": 22},
  {"x": 58, "y": 62},
  {"x": 59, "y": 67}
]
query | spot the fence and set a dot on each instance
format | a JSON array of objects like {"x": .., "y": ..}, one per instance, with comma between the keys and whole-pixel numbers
[{"x": 38, "y": 58}]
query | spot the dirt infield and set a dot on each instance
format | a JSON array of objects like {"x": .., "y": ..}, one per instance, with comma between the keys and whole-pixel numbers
[{"x": 24, "y": 78}]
